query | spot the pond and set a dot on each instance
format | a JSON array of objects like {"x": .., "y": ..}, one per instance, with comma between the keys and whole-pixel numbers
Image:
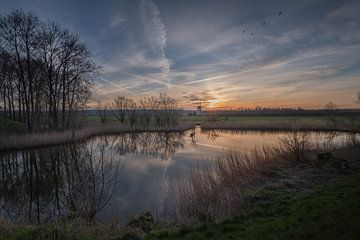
[{"x": 116, "y": 176}]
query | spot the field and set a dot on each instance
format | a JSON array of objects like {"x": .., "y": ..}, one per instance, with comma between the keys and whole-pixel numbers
[
  {"x": 270, "y": 119},
  {"x": 316, "y": 123}
]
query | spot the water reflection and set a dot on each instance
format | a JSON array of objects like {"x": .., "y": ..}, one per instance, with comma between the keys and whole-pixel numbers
[
  {"x": 115, "y": 176},
  {"x": 71, "y": 180},
  {"x": 156, "y": 144}
]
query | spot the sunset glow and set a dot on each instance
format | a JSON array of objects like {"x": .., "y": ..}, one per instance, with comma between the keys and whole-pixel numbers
[{"x": 242, "y": 52}]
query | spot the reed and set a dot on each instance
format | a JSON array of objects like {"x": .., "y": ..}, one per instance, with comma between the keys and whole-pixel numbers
[
  {"x": 35, "y": 140},
  {"x": 218, "y": 190}
]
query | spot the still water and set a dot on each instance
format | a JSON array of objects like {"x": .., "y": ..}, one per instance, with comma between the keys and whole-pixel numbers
[{"x": 117, "y": 176}]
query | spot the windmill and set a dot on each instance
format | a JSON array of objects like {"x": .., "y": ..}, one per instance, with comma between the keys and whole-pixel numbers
[{"x": 199, "y": 109}]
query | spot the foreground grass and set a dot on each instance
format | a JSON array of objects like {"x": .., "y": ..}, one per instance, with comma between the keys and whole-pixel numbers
[
  {"x": 321, "y": 204},
  {"x": 329, "y": 212}
]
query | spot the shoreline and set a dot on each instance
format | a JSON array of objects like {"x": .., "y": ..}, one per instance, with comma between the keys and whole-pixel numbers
[
  {"x": 17, "y": 142},
  {"x": 286, "y": 202},
  {"x": 278, "y": 127}
]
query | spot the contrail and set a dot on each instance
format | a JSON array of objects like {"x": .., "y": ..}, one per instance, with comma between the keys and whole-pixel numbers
[
  {"x": 116, "y": 86},
  {"x": 156, "y": 34}
]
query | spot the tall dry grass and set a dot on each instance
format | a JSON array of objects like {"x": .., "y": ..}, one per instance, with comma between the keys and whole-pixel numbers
[
  {"x": 35, "y": 140},
  {"x": 218, "y": 190},
  {"x": 221, "y": 189}
]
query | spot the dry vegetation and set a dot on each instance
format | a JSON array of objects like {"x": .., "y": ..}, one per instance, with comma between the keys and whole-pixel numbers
[
  {"x": 223, "y": 189},
  {"x": 218, "y": 190},
  {"x": 35, "y": 140}
]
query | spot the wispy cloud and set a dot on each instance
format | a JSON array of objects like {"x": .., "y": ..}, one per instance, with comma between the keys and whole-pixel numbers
[
  {"x": 104, "y": 88},
  {"x": 156, "y": 35},
  {"x": 197, "y": 49}
]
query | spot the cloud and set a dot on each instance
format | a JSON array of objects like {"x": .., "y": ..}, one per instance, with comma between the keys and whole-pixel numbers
[
  {"x": 350, "y": 10},
  {"x": 156, "y": 34},
  {"x": 105, "y": 88}
]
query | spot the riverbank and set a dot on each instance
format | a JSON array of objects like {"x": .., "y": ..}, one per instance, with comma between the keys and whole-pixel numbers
[
  {"x": 297, "y": 201},
  {"x": 280, "y": 127},
  {"x": 330, "y": 211},
  {"x": 15, "y": 142},
  {"x": 19, "y": 140},
  {"x": 321, "y": 123}
]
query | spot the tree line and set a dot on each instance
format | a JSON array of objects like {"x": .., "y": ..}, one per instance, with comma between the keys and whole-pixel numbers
[
  {"x": 46, "y": 72},
  {"x": 158, "y": 111}
]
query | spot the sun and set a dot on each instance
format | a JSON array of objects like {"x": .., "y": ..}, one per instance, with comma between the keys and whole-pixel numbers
[{"x": 212, "y": 103}]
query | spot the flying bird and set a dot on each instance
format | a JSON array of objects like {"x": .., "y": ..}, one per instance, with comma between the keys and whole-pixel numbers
[
  {"x": 243, "y": 31},
  {"x": 251, "y": 33},
  {"x": 280, "y": 13},
  {"x": 264, "y": 23}
]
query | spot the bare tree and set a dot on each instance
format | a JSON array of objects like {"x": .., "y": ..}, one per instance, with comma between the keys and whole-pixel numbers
[
  {"x": 145, "y": 105},
  {"x": 154, "y": 105},
  {"x": 48, "y": 71},
  {"x": 102, "y": 111},
  {"x": 118, "y": 107},
  {"x": 130, "y": 108},
  {"x": 330, "y": 107}
]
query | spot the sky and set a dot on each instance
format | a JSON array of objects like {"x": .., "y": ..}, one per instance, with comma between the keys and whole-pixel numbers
[{"x": 229, "y": 53}]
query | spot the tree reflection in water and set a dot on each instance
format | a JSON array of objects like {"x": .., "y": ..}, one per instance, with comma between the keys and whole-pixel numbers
[
  {"x": 156, "y": 144},
  {"x": 65, "y": 181},
  {"x": 74, "y": 180}
]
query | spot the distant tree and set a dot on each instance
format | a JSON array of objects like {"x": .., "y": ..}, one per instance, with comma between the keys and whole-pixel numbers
[
  {"x": 330, "y": 107},
  {"x": 118, "y": 107},
  {"x": 154, "y": 105},
  {"x": 145, "y": 106},
  {"x": 102, "y": 111},
  {"x": 130, "y": 108},
  {"x": 168, "y": 110}
]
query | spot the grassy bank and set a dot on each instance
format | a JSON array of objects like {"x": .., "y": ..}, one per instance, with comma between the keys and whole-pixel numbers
[
  {"x": 330, "y": 211},
  {"x": 11, "y": 126},
  {"x": 298, "y": 201},
  {"x": 35, "y": 140},
  {"x": 313, "y": 123},
  {"x": 16, "y": 139}
]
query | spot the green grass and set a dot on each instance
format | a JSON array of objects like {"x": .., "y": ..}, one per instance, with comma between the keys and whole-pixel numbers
[
  {"x": 270, "y": 119},
  {"x": 330, "y": 212},
  {"x": 59, "y": 231},
  {"x": 235, "y": 119},
  {"x": 11, "y": 126}
]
